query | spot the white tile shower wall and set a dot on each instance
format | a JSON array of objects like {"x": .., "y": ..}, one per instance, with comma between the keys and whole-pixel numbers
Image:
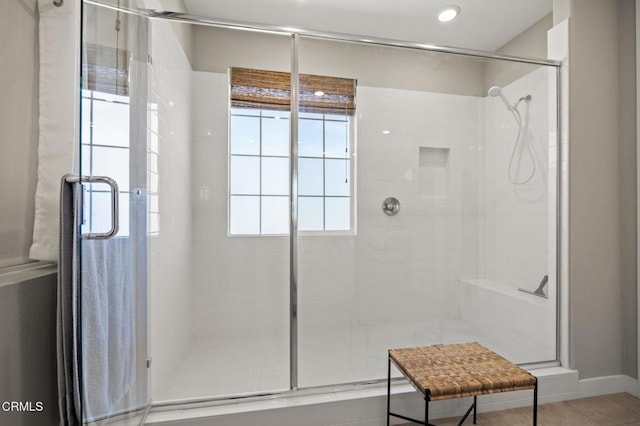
[
  {"x": 170, "y": 277},
  {"x": 241, "y": 297},
  {"x": 518, "y": 223},
  {"x": 358, "y": 295},
  {"x": 517, "y": 325},
  {"x": 396, "y": 282}
]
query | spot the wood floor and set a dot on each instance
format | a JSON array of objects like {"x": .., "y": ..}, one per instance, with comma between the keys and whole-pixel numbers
[{"x": 610, "y": 410}]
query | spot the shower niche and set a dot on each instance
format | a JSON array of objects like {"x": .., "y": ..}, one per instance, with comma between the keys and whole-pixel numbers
[{"x": 433, "y": 173}]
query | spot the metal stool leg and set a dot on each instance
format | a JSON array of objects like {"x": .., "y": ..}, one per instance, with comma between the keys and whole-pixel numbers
[
  {"x": 426, "y": 410},
  {"x": 466, "y": 414},
  {"x": 535, "y": 403},
  {"x": 388, "y": 388},
  {"x": 475, "y": 407}
]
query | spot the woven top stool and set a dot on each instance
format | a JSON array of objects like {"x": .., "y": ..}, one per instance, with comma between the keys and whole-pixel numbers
[{"x": 459, "y": 370}]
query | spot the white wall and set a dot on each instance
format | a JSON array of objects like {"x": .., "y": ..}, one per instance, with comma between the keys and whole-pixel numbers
[
  {"x": 216, "y": 49},
  {"x": 596, "y": 287},
  {"x": 184, "y": 32},
  {"x": 601, "y": 200},
  {"x": 18, "y": 128},
  {"x": 28, "y": 344},
  {"x": 531, "y": 43},
  {"x": 628, "y": 172},
  {"x": 170, "y": 277}
]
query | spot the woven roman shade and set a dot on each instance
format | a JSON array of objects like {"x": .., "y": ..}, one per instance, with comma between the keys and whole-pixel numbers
[
  {"x": 251, "y": 88},
  {"x": 105, "y": 69}
]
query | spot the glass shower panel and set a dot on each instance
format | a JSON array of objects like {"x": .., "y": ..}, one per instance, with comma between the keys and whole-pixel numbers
[
  {"x": 113, "y": 275},
  {"x": 219, "y": 259},
  {"x": 476, "y": 183}
]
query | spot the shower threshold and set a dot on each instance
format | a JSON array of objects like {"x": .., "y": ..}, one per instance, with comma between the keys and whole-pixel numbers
[{"x": 349, "y": 404}]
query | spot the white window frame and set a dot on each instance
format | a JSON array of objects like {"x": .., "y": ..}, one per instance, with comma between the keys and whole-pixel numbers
[{"x": 352, "y": 173}]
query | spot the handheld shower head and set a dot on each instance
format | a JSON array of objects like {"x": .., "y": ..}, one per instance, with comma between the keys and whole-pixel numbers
[{"x": 497, "y": 91}]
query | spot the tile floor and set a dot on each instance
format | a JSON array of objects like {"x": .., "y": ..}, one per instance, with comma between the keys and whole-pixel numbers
[
  {"x": 609, "y": 410},
  {"x": 248, "y": 364}
]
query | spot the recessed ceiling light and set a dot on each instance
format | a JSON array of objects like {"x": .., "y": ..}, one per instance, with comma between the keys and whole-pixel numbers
[
  {"x": 318, "y": 93},
  {"x": 448, "y": 13}
]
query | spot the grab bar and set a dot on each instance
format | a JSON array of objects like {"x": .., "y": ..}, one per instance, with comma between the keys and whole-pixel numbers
[{"x": 115, "y": 207}]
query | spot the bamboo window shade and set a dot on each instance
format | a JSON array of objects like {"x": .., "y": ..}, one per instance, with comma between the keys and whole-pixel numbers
[
  {"x": 251, "y": 88},
  {"x": 105, "y": 69}
]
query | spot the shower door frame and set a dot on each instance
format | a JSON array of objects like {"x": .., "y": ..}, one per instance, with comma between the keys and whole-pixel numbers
[{"x": 296, "y": 34}]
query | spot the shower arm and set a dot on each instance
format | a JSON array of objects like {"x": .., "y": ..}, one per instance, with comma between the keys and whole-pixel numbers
[{"x": 526, "y": 99}]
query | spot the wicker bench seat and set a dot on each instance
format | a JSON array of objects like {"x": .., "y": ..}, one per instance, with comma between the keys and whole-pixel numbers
[{"x": 459, "y": 370}]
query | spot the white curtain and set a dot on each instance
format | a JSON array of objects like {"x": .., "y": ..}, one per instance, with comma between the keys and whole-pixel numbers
[{"x": 59, "y": 129}]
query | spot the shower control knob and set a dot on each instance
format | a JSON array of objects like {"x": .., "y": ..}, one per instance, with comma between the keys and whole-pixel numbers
[{"x": 391, "y": 206}]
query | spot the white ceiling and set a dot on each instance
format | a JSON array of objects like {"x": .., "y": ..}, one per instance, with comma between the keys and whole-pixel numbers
[{"x": 482, "y": 24}]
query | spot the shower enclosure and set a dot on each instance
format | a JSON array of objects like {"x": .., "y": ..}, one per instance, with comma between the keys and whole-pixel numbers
[{"x": 256, "y": 252}]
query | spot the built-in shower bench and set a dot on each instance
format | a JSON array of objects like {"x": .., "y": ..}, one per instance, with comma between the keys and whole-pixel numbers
[{"x": 442, "y": 372}]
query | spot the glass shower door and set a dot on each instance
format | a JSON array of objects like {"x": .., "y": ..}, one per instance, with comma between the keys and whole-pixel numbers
[{"x": 113, "y": 269}]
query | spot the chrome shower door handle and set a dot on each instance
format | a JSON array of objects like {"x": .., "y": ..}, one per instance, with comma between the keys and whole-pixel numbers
[
  {"x": 115, "y": 206},
  {"x": 115, "y": 209}
]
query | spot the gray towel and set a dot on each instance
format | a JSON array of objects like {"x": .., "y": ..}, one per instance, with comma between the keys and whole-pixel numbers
[
  {"x": 96, "y": 295},
  {"x": 67, "y": 326},
  {"x": 108, "y": 324}
]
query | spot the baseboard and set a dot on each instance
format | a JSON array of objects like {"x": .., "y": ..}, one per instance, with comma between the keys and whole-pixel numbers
[{"x": 608, "y": 384}]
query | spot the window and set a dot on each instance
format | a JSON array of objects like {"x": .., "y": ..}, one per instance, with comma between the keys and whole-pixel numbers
[
  {"x": 105, "y": 112},
  {"x": 259, "y": 172},
  {"x": 259, "y": 154},
  {"x": 105, "y": 152},
  {"x": 324, "y": 172}
]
